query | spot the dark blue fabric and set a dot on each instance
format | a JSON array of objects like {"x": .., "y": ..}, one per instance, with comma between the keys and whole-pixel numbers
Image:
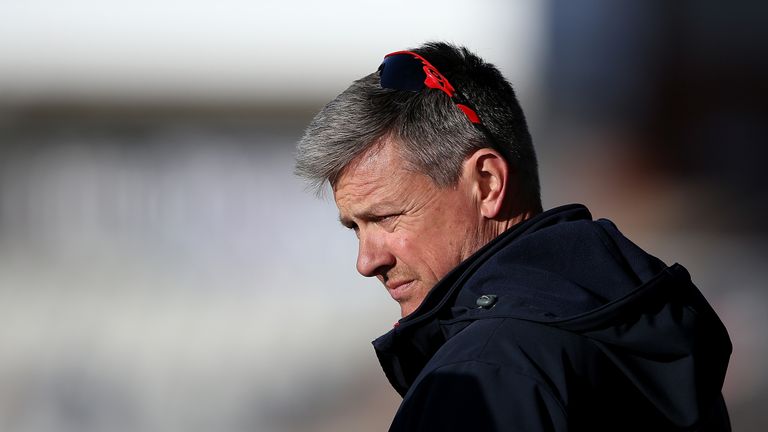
[{"x": 588, "y": 332}]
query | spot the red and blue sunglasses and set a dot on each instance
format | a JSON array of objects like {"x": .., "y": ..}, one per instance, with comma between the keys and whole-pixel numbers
[{"x": 406, "y": 70}]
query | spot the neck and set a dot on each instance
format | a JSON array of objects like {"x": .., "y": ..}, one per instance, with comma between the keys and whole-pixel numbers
[
  {"x": 509, "y": 222},
  {"x": 489, "y": 229}
]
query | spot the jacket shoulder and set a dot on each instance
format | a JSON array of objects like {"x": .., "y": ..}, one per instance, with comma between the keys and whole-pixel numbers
[
  {"x": 492, "y": 376},
  {"x": 544, "y": 354}
]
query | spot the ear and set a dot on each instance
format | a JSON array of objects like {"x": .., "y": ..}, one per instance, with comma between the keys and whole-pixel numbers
[{"x": 489, "y": 175}]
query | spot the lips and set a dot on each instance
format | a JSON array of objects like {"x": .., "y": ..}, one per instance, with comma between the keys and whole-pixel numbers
[{"x": 399, "y": 290}]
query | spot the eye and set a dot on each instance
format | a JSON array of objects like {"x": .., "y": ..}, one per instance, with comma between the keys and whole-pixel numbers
[
  {"x": 386, "y": 220},
  {"x": 348, "y": 224}
]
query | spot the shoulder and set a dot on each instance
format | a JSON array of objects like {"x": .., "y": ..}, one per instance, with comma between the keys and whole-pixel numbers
[
  {"x": 484, "y": 379},
  {"x": 520, "y": 345},
  {"x": 543, "y": 356}
]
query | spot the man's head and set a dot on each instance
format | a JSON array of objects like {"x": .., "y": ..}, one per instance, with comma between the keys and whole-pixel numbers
[{"x": 421, "y": 185}]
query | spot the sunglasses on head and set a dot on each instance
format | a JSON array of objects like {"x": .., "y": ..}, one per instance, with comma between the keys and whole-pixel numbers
[{"x": 406, "y": 70}]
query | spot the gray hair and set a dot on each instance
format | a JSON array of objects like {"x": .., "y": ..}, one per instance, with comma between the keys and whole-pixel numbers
[{"x": 433, "y": 135}]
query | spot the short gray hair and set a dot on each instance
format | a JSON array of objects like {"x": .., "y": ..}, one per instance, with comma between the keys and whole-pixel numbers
[{"x": 434, "y": 136}]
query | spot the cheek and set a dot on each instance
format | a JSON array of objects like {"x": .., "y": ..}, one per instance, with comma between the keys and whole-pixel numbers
[
  {"x": 405, "y": 246},
  {"x": 435, "y": 247},
  {"x": 414, "y": 250},
  {"x": 437, "y": 251}
]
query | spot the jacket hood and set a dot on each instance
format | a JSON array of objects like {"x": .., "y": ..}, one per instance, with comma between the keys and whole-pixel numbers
[{"x": 565, "y": 270}]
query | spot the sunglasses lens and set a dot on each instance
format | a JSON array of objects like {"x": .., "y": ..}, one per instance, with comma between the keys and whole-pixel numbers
[{"x": 402, "y": 72}]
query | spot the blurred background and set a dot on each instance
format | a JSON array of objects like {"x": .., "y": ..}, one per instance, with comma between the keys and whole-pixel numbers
[{"x": 162, "y": 270}]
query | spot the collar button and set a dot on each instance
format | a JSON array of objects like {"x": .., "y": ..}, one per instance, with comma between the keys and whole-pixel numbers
[{"x": 486, "y": 301}]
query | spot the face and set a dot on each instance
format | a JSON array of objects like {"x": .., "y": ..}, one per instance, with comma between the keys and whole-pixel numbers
[{"x": 410, "y": 231}]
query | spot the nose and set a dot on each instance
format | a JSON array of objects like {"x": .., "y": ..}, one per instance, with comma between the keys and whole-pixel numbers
[{"x": 373, "y": 256}]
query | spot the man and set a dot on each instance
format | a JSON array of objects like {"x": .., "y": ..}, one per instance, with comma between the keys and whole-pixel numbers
[{"x": 512, "y": 318}]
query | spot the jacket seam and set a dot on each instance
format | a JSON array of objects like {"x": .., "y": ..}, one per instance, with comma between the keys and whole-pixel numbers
[{"x": 490, "y": 336}]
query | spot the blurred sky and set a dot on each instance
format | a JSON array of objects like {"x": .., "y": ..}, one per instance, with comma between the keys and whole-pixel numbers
[
  {"x": 284, "y": 51},
  {"x": 161, "y": 269}
]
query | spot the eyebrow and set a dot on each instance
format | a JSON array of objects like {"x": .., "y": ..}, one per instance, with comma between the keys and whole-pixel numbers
[{"x": 374, "y": 212}]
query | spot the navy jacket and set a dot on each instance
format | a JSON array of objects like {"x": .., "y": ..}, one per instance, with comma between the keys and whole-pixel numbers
[{"x": 560, "y": 324}]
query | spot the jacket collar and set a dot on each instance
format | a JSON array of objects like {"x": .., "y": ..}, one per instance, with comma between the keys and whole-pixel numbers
[{"x": 404, "y": 351}]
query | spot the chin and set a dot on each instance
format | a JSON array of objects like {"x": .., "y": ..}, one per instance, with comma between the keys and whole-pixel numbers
[{"x": 406, "y": 310}]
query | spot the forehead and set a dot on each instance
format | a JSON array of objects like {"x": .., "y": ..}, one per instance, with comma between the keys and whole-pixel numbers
[
  {"x": 372, "y": 162},
  {"x": 379, "y": 176}
]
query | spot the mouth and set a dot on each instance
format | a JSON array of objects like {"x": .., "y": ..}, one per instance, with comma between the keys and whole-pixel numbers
[{"x": 399, "y": 290}]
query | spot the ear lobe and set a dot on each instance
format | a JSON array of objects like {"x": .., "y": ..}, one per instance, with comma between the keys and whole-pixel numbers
[{"x": 490, "y": 173}]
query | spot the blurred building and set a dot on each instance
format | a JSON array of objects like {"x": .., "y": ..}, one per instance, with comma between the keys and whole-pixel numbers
[{"x": 161, "y": 269}]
